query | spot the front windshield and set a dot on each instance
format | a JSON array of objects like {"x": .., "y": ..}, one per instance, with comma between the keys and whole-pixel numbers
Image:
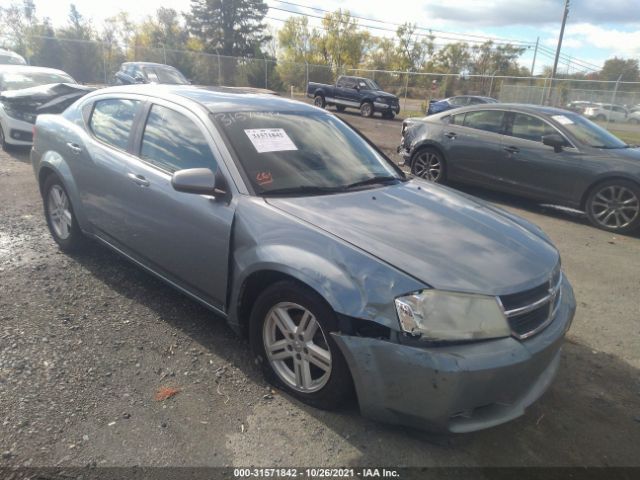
[
  {"x": 19, "y": 80},
  {"x": 588, "y": 132},
  {"x": 165, "y": 75},
  {"x": 366, "y": 84},
  {"x": 295, "y": 152}
]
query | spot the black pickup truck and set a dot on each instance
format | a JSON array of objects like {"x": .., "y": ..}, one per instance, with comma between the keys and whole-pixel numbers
[{"x": 354, "y": 92}]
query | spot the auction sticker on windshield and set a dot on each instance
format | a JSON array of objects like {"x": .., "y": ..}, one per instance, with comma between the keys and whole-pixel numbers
[{"x": 270, "y": 140}]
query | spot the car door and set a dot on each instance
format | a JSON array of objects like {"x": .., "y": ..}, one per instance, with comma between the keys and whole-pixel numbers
[
  {"x": 185, "y": 237},
  {"x": 473, "y": 145},
  {"x": 348, "y": 95},
  {"x": 98, "y": 159},
  {"x": 534, "y": 169}
]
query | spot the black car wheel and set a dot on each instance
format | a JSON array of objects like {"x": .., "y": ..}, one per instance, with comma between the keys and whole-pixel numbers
[
  {"x": 614, "y": 206},
  {"x": 59, "y": 214},
  {"x": 3, "y": 143},
  {"x": 366, "y": 109},
  {"x": 290, "y": 335},
  {"x": 340, "y": 108},
  {"x": 428, "y": 164},
  {"x": 318, "y": 101}
]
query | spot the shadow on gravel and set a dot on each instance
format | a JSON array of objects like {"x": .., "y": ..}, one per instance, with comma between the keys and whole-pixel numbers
[
  {"x": 20, "y": 154},
  {"x": 590, "y": 416}
]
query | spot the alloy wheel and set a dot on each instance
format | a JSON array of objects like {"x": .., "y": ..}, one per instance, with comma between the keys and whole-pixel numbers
[
  {"x": 296, "y": 347},
  {"x": 428, "y": 165},
  {"x": 59, "y": 212},
  {"x": 615, "y": 207}
]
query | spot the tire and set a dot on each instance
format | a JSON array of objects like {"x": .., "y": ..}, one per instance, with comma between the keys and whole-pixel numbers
[
  {"x": 366, "y": 109},
  {"x": 601, "y": 118},
  {"x": 614, "y": 206},
  {"x": 428, "y": 163},
  {"x": 634, "y": 121},
  {"x": 340, "y": 108},
  {"x": 60, "y": 216},
  {"x": 328, "y": 387},
  {"x": 388, "y": 115},
  {"x": 3, "y": 142},
  {"x": 319, "y": 102}
]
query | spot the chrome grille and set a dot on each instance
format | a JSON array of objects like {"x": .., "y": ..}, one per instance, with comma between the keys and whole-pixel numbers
[{"x": 530, "y": 311}]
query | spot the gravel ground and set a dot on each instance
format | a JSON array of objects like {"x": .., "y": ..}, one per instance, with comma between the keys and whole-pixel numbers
[{"x": 87, "y": 341}]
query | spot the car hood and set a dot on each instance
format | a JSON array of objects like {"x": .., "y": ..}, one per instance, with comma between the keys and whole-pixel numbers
[
  {"x": 52, "y": 98},
  {"x": 380, "y": 93},
  {"x": 632, "y": 154},
  {"x": 446, "y": 240}
]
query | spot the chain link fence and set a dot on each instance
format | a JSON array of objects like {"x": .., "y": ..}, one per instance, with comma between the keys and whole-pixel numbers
[{"x": 96, "y": 63}]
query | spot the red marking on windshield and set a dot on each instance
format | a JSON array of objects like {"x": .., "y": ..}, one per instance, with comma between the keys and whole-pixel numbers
[{"x": 264, "y": 178}]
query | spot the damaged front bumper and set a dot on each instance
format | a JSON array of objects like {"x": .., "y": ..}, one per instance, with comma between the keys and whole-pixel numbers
[{"x": 459, "y": 388}]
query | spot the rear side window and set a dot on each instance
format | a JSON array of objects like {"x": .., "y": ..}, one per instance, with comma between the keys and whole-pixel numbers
[
  {"x": 456, "y": 119},
  {"x": 487, "y": 120},
  {"x": 112, "y": 120},
  {"x": 171, "y": 141},
  {"x": 458, "y": 101}
]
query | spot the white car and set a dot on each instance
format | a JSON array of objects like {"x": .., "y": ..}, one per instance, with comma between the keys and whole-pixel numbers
[
  {"x": 634, "y": 117},
  {"x": 16, "y": 124},
  {"x": 7, "y": 57},
  {"x": 603, "y": 112}
]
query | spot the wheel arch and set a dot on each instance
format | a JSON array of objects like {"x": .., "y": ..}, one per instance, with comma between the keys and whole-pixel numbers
[
  {"x": 600, "y": 181},
  {"x": 426, "y": 145}
]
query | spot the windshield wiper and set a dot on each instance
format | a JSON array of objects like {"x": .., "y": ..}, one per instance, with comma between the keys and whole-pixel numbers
[
  {"x": 371, "y": 181},
  {"x": 301, "y": 189}
]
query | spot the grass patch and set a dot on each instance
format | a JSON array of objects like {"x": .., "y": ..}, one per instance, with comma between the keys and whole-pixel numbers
[{"x": 632, "y": 138}]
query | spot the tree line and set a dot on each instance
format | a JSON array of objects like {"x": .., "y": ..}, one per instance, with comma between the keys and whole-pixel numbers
[{"x": 198, "y": 42}]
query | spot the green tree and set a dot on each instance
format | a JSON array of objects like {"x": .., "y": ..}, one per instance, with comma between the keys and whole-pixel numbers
[
  {"x": 413, "y": 48},
  {"x": 343, "y": 45},
  {"x": 82, "y": 55},
  {"x": 229, "y": 27},
  {"x": 614, "y": 67}
]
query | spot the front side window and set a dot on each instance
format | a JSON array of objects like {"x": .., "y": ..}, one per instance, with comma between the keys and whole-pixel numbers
[
  {"x": 458, "y": 101},
  {"x": 165, "y": 75},
  {"x": 588, "y": 132},
  {"x": 172, "y": 142},
  {"x": 112, "y": 120},
  {"x": 487, "y": 120},
  {"x": 530, "y": 128},
  {"x": 303, "y": 152}
]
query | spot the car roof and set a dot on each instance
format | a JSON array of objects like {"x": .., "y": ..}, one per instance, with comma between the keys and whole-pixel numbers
[
  {"x": 516, "y": 107},
  {"x": 30, "y": 69},
  {"x": 217, "y": 99},
  {"x": 148, "y": 64}
]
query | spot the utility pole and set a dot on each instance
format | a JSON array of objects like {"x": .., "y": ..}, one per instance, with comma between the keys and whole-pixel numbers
[
  {"x": 555, "y": 62},
  {"x": 535, "y": 54}
]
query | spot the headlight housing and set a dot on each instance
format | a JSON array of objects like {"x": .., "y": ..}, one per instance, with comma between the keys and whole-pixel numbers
[
  {"x": 20, "y": 115},
  {"x": 436, "y": 315}
]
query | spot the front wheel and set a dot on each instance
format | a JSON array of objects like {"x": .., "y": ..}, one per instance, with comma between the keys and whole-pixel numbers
[
  {"x": 366, "y": 109},
  {"x": 290, "y": 335},
  {"x": 318, "y": 101},
  {"x": 614, "y": 206},
  {"x": 59, "y": 214},
  {"x": 429, "y": 164}
]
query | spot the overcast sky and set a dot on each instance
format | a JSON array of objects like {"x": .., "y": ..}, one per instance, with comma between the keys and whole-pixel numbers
[{"x": 596, "y": 29}]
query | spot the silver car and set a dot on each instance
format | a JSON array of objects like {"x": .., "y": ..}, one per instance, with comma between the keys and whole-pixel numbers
[{"x": 437, "y": 310}]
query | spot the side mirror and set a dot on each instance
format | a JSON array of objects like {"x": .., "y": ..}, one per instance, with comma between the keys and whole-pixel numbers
[
  {"x": 554, "y": 140},
  {"x": 357, "y": 87},
  {"x": 201, "y": 181}
]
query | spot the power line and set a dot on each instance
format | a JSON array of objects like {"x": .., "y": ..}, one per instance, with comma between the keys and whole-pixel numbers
[{"x": 486, "y": 37}]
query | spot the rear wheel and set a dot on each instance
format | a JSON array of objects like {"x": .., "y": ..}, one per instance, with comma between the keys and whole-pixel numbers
[
  {"x": 3, "y": 142},
  {"x": 614, "y": 206},
  {"x": 366, "y": 109},
  {"x": 291, "y": 338},
  {"x": 318, "y": 101},
  {"x": 429, "y": 164},
  {"x": 60, "y": 217}
]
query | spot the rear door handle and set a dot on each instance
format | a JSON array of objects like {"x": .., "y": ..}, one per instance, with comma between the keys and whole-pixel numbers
[
  {"x": 138, "y": 179},
  {"x": 512, "y": 149},
  {"x": 451, "y": 135},
  {"x": 74, "y": 147}
]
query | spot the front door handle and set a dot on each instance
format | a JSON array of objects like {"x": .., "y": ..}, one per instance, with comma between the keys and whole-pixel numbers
[
  {"x": 451, "y": 135},
  {"x": 512, "y": 149},
  {"x": 74, "y": 147},
  {"x": 138, "y": 179}
]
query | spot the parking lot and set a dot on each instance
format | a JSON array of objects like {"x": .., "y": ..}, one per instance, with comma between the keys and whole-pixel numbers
[{"x": 87, "y": 341}]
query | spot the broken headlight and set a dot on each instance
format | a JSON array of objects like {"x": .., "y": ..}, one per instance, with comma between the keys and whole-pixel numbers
[
  {"x": 440, "y": 316},
  {"x": 20, "y": 115}
]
